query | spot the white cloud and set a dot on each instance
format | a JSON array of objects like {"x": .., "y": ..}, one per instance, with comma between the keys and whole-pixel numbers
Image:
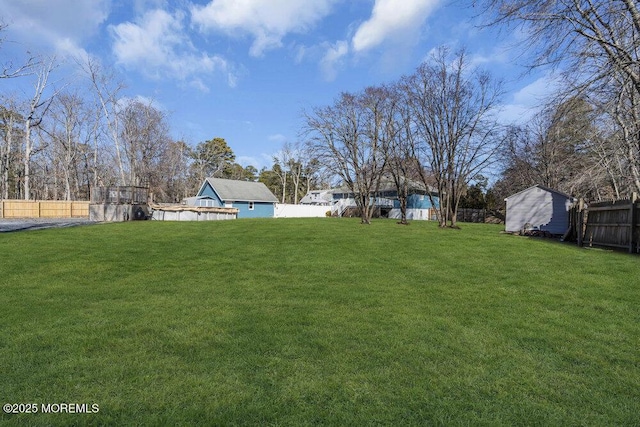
[
  {"x": 333, "y": 59},
  {"x": 262, "y": 161},
  {"x": 63, "y": 25},
  {"x": 199, "y": 85},
  {"x": 64, "y": 18},
  {"x": 535, "y": 92},
  {"x": 258, "y": 161},
  {"x": 67, "y": 46},
  {"x": 145, "y": 100},
  {"x": 300, "y": 53},
  {"x": 498, "y": 55},
  {"x": 278, "y": 137},
  {"x": 157, "y": 46},
  {"x": 392, "y": 19},
  {"x": 267, "y": 21},
  {"x": 529, "y": 99}
]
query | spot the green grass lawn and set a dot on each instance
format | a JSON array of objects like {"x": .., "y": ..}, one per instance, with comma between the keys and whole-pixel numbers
[{"x": 316, "y": 321}]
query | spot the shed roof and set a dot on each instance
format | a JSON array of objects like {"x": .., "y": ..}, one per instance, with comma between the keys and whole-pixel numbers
[
  {"x": 233, "y": 190},
  {"x": 542, "y": 187}
]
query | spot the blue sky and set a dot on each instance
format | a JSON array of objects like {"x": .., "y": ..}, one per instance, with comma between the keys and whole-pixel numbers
[{"x": 244, "y": 70}]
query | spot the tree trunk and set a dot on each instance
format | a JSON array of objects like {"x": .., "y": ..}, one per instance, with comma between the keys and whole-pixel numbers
[
  {"x": 284, "y": 185},
  {"x": 6, "y": 160},
  {"x": 296, "y": 184},
  {"x": 403, "y": 209},
  {"x": 365, "y": 215},
  {"x": 27, "y": 159}
]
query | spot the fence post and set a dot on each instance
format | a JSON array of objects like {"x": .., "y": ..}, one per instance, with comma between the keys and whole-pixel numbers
[
  {"x": 632, "y": 221},
  {"x": 580, "y": 221}
]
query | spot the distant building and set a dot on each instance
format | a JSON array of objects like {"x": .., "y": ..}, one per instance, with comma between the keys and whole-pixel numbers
[
  {"x": 252, "y": 199},
  {"x": 318, "y": 197},
  {"x": 386, "y": 202}
]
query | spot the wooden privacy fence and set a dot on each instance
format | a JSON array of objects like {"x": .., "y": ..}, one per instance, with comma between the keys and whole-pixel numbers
[
  {"x": 43, "y": 209},
  {"x": 612, "y": 224}
]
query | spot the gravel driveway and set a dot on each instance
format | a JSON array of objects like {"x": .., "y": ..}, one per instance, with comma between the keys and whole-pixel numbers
[{"x": 40, "y": 223}]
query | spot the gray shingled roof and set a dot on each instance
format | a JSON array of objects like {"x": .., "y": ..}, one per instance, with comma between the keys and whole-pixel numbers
[
  {"x": 387, "y": 184},
  {"x": 232, "y": 190}
]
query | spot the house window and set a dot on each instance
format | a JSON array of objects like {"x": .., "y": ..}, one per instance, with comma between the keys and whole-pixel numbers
[
  {"x": 228, "y": 204},
  {"x": 251, "y": 206}
]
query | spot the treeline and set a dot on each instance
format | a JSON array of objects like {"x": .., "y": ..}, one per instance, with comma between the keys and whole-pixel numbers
[
  {"x": 295, "y": 171},
  {"x": 65, "y": 138}
]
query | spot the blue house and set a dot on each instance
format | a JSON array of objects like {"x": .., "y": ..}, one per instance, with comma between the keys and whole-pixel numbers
[
  {"x": 419, "y": 202},
  {"x": 252, "y": 199}
]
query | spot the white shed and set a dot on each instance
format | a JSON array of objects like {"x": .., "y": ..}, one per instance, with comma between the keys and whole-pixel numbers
[{"x": 538, "y": 208}]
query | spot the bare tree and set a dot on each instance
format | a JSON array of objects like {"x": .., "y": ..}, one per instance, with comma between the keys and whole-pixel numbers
[
  {"x": 561, "y": 134},
  {"x": 456, "y": 133},
  {"x": 517, "y": 160},
  {"x": 71, "y": 130},
  {"x": 11, "y": 70},
  {"x": 296, "y": 170},
  {"x": 106, "y": 89},
  {"x": 401, "y": 163},
  {"x": 175, "y": 169},
  {"x": 346, "y": 138},
  {"x": 597, "y": 44},
  {"x": 293, "y": 164},
  {"x": 608, "y": 154},
  {"x": 37, "y": 108},
  {"x": 566, "y": 147},
  {"x": 11, "y": 128},
  {"x": 586, "y": 34},
  {"x": 145, "y": 140},
  {"x": 624, "y": 109},
  {"x": 281, "y": 163}
]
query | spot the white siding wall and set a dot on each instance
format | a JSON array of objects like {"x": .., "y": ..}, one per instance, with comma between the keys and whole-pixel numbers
[
  {"x": 413, "y": 214},
  {"x": 544, "y": 210}
]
